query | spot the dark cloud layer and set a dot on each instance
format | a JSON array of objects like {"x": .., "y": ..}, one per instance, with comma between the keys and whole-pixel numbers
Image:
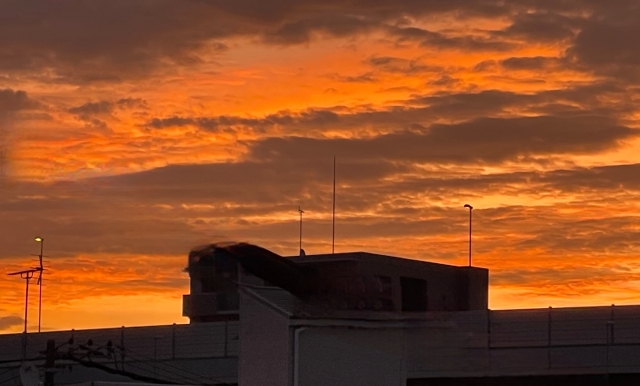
[
  {"x": 482, "y": 140},
  {"x": 441, "y": 41},
  {"x": 103, "y": 40},
  {"x": 542, "y": 26},
  {"x": 15, "y": 100},
  {"x": 530, "y": 63},
  {"x": 407, "y": 131},
  {"x": 607, "y": 41},
  {"x": 88, "y": 41},
  {"x": 7, "y": 322},
  {"x": 174, "y": 203},
  {"x": 401, "y": 65},
  {"x": 106, "y": 108}
]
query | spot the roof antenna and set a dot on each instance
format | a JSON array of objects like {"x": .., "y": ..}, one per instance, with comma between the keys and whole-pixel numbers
[
  {"x": 25, "y": 275},
  {"x": 333, "y": 217},
  {"x": 300, "y": 211}
]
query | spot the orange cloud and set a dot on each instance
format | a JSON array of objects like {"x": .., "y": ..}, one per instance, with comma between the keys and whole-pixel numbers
[{"x": 126, "y": 147}]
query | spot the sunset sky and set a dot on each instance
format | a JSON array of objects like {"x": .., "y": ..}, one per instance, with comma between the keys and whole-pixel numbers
[{"x": 132, "y": 131}]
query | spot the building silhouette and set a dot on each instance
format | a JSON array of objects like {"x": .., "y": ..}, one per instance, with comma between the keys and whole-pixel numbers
[{"x": 346, "y": 319}]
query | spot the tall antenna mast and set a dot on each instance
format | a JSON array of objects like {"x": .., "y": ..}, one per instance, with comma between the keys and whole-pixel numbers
[
  {"x": 300, "y": 211},
  {"x": 333, "y": 216}
]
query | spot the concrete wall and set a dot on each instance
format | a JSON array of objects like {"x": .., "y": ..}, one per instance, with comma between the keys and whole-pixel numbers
[
  {"x": 473, "y": 345},
  {"x": 478, "y": 285},
  {"x": 341, "y": 356},
  {"x": 180, "y": 372},
  {"x": 185, "y": 353},
  {"x": 449, "y": 288},
  {"x": 265, "y": 344}
]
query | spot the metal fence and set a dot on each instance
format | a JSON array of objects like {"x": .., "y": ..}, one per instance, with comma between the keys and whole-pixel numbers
[
  {"x": 535, "y": 341},
  {"x": 177, "y": 341}
]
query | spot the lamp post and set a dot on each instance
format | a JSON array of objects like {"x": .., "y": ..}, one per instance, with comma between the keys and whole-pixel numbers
[
  {"x": 470, "y": 221},
  {"x": 41, "y": 241}
]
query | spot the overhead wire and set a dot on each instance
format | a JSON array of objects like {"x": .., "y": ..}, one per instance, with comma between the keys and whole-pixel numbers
[
  {"x": 136, "y": 365},
  {"x": 108, "y": 369},
  {"x": 190, "y": 373},
  {"x": 20, "y": 360},
  {"x": 178, "y": 377},
  {"x": 10, "y": 370},
  {"x": 9, "y": 379},
  {"x": 171, "y": 378}
]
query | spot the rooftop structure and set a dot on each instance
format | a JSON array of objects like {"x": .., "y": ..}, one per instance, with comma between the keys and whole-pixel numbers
[{"x": 354, "y": 281}]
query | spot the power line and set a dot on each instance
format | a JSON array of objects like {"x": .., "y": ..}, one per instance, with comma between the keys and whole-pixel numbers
[
  {"x": 171, "y": 378},
  {"x": 19, "y": 360},
  {"x": 10, "y": 379},
  {"x": 190, "y": 373},
  {"x": 108, "y": 369},
  {"x": 179, "y": 379},
  {"x": 10, "y": 370}
]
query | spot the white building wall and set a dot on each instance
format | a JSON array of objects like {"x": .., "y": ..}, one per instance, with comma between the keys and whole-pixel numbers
[
  {"x": 571, "y": 341},
  {"x": 265, "y": 344},
  {"x": 347, "y": 357}
]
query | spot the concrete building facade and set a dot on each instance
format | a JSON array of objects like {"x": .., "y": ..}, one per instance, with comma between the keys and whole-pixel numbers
[
  {"x": 566, "y": 346},
  {"x": 204, "y": 353},
  {"x": 351, "y": 319},
  {"x": 356, "y": 281}
]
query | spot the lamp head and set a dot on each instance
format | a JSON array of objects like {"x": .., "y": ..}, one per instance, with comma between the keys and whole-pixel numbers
[
  {"x": 468, "y": 206},
  {"x": 39, "y": 239}
]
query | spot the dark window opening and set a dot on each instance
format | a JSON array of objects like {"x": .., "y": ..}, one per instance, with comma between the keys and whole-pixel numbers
[
  {"x": 383, "y": 285},
  {"x": 228, "y": 301},
  {"x": 414, "y": 294}
]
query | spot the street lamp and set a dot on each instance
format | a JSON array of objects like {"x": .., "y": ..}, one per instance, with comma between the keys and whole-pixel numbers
[
  {"x": 41, "y": 269},
  {"x": 470, "y": 220}
]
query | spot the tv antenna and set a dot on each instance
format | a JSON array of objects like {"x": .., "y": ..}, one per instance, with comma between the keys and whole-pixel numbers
[{"x": 26, "y": 275}]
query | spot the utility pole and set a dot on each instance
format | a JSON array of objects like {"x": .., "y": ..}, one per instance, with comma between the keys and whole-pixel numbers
[{"x": 50, "y": 362}]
